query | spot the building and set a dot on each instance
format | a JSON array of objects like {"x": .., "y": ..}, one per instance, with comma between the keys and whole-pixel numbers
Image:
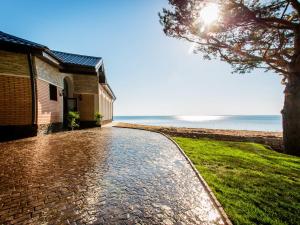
[{"x": 38, "y": 86}]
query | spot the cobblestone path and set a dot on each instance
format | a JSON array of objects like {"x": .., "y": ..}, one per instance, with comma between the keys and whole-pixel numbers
[{"x": 108, "y": 176}]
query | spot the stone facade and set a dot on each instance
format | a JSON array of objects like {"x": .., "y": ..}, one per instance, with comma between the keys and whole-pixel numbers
[
  {"x": 49, "y": 128},
  {"x": 49, "y": 73}
]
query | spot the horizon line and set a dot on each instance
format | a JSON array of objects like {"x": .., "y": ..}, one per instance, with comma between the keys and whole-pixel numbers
[{"x": 206, "y": 115}]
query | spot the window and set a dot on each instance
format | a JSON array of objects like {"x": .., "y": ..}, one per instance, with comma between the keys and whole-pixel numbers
[{"x": 53, "y": 92}]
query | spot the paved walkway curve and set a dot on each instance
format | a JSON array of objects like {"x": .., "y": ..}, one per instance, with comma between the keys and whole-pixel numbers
[{"x": 108, "y": 176}]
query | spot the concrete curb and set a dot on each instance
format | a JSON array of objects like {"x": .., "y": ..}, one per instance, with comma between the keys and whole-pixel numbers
[{"x": 216, "y": 203}]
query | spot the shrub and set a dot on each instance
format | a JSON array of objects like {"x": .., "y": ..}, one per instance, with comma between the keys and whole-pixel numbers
[
  {"x": 73, "y": 118},
  {"x": 98, "y": 118}
]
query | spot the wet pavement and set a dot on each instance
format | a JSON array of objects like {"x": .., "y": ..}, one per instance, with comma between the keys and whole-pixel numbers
[{"x": 107, "y": 176}]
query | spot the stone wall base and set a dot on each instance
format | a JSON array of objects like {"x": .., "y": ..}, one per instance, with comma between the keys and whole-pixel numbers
[
  {"x": 50, "y": 128},
  {"x": 92, "y": 123},
  {"x": 13, "y": 132},
  {"x": 87, "y": 124}
]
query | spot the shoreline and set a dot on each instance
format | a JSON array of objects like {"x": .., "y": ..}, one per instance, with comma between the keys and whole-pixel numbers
[{"x": 268, "y": 138}]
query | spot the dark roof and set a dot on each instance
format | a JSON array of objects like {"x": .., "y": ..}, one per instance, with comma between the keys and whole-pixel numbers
[
  {"x": 65, "y": 58},
  {"x": 68, "y": 62},
  {"x": 74, "y": 59},
  {"x": 19, "y": 41}
]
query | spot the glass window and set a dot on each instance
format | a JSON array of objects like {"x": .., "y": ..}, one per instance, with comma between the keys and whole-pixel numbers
[{"x": 53, "y": 92}]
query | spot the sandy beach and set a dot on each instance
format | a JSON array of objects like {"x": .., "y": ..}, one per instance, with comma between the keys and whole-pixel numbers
[{"x": 270, "y": 139}]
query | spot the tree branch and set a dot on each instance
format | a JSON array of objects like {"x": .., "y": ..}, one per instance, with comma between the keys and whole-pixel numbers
[
  {"x": 296, "y": 5},
  {"x": 283, "y": 72},
  {"x": 280, "y": 62},
  {"x": 268, "y": 21},
  {"x": 250, "y": 34}
]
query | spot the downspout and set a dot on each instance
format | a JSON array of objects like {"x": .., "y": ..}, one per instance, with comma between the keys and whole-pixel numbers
[
  {"x": 112, "y": 111},
  {"x": 33, "y": 89}
]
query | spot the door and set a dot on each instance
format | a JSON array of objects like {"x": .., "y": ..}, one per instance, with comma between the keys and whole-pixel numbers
[{"x": 69, "y": 104}]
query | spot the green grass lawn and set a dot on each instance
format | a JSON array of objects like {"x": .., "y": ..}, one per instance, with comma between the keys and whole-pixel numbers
[{"x": 254, "y": 185}]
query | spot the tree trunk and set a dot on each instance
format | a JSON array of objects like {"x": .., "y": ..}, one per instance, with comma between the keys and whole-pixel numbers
[{"x": 291, "y": 110}]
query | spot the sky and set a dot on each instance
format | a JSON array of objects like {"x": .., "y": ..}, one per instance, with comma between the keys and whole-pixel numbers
[{"x": 150, "y": 73}]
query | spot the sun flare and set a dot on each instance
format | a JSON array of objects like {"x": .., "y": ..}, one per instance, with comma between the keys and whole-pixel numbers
[{"x": 209, "y": 14}]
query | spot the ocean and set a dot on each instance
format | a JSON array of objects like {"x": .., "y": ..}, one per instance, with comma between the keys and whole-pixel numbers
[{"x": 232, "y": 122}]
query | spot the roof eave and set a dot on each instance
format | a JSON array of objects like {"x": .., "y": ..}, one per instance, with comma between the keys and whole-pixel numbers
[
  {"x": 72, "y": 68},
  {"x": 15, "y": 47},
  {"x": 52, "y": 60},
  {"x": 110, "y": 91},
  {"x": 99, "y": 64}
]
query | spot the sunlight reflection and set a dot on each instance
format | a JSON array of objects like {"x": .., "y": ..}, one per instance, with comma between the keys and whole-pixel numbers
[{"x": 199, "y": 118}]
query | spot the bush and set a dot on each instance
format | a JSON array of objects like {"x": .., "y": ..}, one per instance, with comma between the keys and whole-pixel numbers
[
  {"x": 98, "y": 118},
  {"x": 73, "y": 118}
]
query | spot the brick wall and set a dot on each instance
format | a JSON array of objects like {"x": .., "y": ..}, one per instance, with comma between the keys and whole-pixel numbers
[
  {"x": 15, "y": 100},
  {"x": 15, "y": 89},
  {"x": 49, "y": 111}
]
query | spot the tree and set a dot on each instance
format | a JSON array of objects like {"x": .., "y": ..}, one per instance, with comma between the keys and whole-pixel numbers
[{"x": 247, "y": 34}]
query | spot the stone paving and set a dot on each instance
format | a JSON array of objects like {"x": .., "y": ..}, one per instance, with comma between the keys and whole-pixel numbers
[{"x": 107, "y": 176}]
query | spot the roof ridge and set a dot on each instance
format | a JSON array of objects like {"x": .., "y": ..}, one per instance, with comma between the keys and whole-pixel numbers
[{"x": 76, "y": 54}]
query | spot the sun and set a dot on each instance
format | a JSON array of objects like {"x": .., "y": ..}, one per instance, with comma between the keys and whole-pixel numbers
[{"x": 209, "y": 14}]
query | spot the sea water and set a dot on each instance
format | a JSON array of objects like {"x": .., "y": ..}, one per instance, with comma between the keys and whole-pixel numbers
[{"x": 232, "y": 122}]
